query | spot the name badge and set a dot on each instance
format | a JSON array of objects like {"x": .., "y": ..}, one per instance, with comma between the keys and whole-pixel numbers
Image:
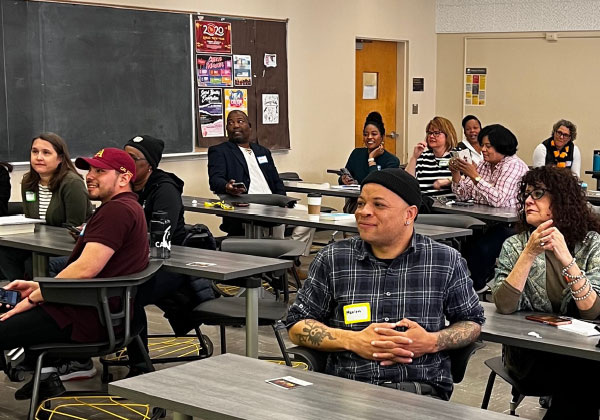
[
  {"x": 357, "y": 312},
  {"x": 29, "y": 196},
  {"x": 262, "y": 159}
]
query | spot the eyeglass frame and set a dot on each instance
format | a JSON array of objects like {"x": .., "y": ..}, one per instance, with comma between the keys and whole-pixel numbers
[
  {"x": 525, "y": 195},
  {"x": 562, "y": 135},
  {"x": 435, "y": 134}
]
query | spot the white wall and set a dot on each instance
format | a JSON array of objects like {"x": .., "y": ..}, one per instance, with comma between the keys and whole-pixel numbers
[
  {"x": 467, "y": 16},
  {"x": 321, "y": 42}
]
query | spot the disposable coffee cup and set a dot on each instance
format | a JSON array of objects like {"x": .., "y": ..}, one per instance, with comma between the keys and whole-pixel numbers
[{"x": 314, "y": 205}]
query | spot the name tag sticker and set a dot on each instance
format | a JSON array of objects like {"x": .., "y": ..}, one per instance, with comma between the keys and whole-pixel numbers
[
  {"x": 357, "y": 312},
  {"x": 262, "y": 159},
  {"x": 29, "y": 196}
]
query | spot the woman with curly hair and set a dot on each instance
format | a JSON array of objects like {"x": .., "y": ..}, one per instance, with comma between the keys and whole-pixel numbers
[{"x": 552, "y": 266}]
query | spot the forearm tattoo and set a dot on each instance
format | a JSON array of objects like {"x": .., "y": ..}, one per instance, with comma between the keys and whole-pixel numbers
[
  {"x": 458, "y": 335},
  {"x": 313, "y": 333}
]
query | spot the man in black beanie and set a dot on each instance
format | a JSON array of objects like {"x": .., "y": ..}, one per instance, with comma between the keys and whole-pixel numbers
[{"x": 379, "y": 302}]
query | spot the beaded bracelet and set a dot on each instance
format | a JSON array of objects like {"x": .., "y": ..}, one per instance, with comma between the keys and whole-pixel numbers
[
  {"x": 572, "y": 277},
  {"x": 584, "y": 296},
  {"x": 586, "y": 283},
  {"x": 565, "y": 269},
  {"x": 574, "y": 282}
]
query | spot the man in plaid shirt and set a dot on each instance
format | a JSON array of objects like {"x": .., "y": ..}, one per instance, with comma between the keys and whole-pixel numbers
[{"x": 379, "y": 303}]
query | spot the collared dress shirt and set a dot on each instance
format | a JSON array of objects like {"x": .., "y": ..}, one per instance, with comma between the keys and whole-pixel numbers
[
  {"x": 497, "y": 188},
  {"x": 428, "y": 284}
]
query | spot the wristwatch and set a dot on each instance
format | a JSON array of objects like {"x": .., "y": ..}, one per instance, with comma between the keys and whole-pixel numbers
[{"x": 477, "y": 179}]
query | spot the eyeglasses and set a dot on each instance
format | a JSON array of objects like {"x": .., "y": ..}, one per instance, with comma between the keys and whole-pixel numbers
[
  {"x": 562, "y": 135},
  {"x": 535, "y": 194},
  {"x": 221, "y": 204},
  {"x": 434, "y": 133}
]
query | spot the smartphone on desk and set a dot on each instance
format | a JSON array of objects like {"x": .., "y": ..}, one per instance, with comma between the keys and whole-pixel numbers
[
  {"x": 463, "y": 203},
  {"x": 549, "y": 319},
  {"x": 73, "y": 229}
]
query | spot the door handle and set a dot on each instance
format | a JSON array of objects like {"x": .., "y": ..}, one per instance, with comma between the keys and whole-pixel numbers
[{"x": 393, "y": 135}]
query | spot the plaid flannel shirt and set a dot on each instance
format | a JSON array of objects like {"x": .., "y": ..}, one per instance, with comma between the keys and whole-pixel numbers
[
  {"x": 428, "y": 284},
  {"x": 498, "y": 188}
]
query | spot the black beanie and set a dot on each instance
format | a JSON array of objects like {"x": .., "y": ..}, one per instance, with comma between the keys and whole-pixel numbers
[
  {"x": 399, "y": 182},
  {"x": 151, "y": 147}
]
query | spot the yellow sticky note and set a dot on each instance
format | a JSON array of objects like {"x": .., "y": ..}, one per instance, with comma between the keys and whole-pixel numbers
[{"x": 357, "y": 312}]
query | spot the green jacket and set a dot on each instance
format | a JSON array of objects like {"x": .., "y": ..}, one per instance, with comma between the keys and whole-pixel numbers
[
  {"x": 534, "y": 297},
  {"x": 69, "y": 204}
]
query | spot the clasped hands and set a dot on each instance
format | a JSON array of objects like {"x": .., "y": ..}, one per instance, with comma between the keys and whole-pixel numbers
[{"x": 382, "y": 342}]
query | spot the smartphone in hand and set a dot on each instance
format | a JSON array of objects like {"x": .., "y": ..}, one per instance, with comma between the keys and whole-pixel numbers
[
  {"x": 73, "y": 229},
  {"x": 9, "y": 297},
  {"x": 239, "y": 185}
]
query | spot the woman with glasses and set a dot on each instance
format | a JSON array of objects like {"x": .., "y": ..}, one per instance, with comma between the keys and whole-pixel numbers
[
  {"x": 552, "y": 265},
  {"x": 429, "y": 162},
  {"x": 559, "y": 150}
]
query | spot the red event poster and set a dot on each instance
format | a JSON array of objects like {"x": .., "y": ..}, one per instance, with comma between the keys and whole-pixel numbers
[{"x": 213, "y": 37}]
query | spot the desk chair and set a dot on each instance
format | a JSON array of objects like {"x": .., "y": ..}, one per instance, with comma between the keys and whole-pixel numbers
[
  {"x": 459, "y": 358},
  {"x": 518, "y": 393},
  {"x": 231, "y": 311},
  {"x": 15, "y": 207},
  {"x": 289, "y": 176},
  {"x": 95, "y": 293}
]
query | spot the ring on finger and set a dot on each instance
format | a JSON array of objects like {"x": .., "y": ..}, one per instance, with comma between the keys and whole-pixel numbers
[{"x": 542, "y": 243}]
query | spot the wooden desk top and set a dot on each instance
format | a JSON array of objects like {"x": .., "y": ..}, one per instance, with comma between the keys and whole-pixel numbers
[
  {"x": 281, "y": 215},
  {"x": 233, "y": 387},
  {"x": 51, "y": 240},
  {"x": 513, "y": 330},
  {"x": 480, "y": 211}
]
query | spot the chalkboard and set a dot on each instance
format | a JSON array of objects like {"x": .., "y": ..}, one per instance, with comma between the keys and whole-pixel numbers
[{"x": 96, "y": 76}]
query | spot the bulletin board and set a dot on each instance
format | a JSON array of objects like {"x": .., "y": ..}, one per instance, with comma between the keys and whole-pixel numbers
[{"x": 241, "y": 64}]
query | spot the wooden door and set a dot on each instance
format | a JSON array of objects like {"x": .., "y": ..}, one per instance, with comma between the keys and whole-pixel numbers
[{"x": 377, "y": 57}]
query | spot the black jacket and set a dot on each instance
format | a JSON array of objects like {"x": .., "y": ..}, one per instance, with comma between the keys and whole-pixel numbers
[
  {"x": 163, "y": 192},
  {"x": 226, "y": 161}
]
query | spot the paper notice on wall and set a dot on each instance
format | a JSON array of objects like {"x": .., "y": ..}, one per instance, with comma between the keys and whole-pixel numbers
[
  {"x": 236, "y": 100},
  {"x": 270, "y": 107},
  {"x": 213, "y": 37},
  {"x": 270, "y": 60},
  {"x": 214, "y": 70},
  {"x": 242, "y": 70},
  {"x": 210, "y": 110},
  {"x": 475, "y": 86}
]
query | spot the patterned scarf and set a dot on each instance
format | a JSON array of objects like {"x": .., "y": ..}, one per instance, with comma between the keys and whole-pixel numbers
[{"x": 561, "y": 158}]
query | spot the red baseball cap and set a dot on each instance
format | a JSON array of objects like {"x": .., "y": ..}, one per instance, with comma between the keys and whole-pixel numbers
[{"x": 109, "y": 158}]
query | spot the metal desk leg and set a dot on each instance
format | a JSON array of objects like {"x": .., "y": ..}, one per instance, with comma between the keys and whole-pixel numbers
[
  {"x": 252, "y": 322},
  {"x": 179, "y": 416},
  {"x": 40, "y": 265}
]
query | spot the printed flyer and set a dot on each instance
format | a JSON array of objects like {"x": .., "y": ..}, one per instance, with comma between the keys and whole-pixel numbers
[
  {"x": 236, "y": 100},
  {"x": 210, "y": 110},
  {"x": 242, "y": 70},
  {"x": 213, "y": 37},
  {"x": 214, "y": 70}
]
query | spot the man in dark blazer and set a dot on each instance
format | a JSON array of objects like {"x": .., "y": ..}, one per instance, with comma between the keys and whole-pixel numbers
[{"x": 238, "y": 160}]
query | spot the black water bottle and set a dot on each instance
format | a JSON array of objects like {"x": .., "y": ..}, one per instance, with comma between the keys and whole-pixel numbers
[{"x": 160, "y": 235}]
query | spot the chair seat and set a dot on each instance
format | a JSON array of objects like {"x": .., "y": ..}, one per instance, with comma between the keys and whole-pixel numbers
[{"x": 232, "y": 310}]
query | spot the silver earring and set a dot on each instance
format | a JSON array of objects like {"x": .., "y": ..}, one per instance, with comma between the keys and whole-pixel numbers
[{"x": 407, "y": 223}]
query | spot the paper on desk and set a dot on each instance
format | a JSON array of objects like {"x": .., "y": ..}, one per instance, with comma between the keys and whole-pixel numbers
[
  {"x": 18, "y": 220},
  {"x": 580, "y": 327},
  {"x": 346, "y": 187}
]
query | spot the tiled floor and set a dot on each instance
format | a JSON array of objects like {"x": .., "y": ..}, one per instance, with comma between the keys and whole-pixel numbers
[{"x": 469, "y": 391}]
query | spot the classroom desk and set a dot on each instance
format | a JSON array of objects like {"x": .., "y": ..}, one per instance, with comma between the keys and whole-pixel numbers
[
  {"x": 308, "y": 188},
  {"x": 49, "y": 240},
  {"x": 281, "y": 215},
  {"x": 229, "y": 386},
  {"x": 593, "y": 196},
  {"x": 480, "y": 211},
  {"x": 513, "y": 329}
]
